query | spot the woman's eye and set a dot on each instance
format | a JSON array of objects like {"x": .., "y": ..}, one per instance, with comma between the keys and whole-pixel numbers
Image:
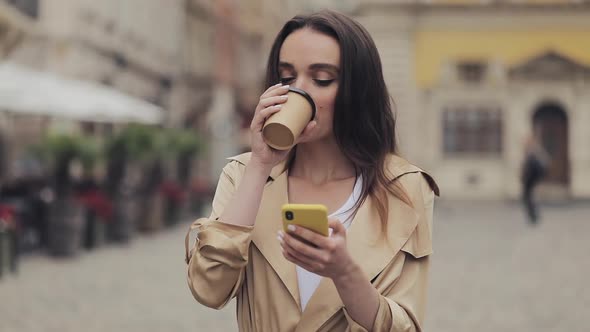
[
  {"x": 286, "y": 80},
  {"x": 323, "y": 82}
]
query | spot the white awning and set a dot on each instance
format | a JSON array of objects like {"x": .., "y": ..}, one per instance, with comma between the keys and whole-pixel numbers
[{"x": 27, "y": 91}]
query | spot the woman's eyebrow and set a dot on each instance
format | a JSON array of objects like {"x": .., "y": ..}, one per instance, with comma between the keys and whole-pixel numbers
[
  {"x": 286, "y": 65},
  {"x": 315, "y": 66},
  {"x": 324, "y": 66}
]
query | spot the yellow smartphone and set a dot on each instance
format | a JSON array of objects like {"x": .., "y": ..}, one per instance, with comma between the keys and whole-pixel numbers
[{"x": 311, "y": 216}]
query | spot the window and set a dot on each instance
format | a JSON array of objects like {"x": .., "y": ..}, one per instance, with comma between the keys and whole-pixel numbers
[
  {"x": 27, "y": 7},
  {"x": 471, "y": 72},
  {"x": 475, "y": 130}
]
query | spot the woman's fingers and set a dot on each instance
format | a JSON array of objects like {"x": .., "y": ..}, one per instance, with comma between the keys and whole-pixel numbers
[
  {"x": 274, "y": 88},
  {"x": 274, "y": 91},
  {"x": 306, "y": 264},
  {"x": 271, "y": 88},
  {"x": 310, "y": 236},
  {"x": 274, "y": 100},
  {"x": 260, "y": 117},
  {"x": 337, "y": 227},
  {"x": 301, "y": 252},
  {"x": 269, "y": 104},
  {"x": 301, "y": 248},
  {"x": 308, "y": 131}
]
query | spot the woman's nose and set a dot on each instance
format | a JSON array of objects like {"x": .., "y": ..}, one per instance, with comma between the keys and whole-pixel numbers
[{"x": 300, "y": 83}]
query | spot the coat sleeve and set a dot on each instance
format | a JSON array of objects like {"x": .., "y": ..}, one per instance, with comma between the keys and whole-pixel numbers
[
  {"x": 217, "y": 260},
  {"x": 403, "y": 283}
]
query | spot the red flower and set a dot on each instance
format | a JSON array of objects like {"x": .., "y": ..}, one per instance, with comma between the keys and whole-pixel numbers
[
  {"x": 173, "y": 191},
  {"x": 7, "y": 216},
  {"x": 97, "y": 202}
]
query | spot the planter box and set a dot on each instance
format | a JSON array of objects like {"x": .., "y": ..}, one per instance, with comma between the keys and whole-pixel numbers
[
  {"x": 153, "y": 216},
  {"x": 94, "y": 231},
  {"x": 66, "y": 220},
  {"x": 127, "y": 212},
  {"x": 8, "y": 254}
]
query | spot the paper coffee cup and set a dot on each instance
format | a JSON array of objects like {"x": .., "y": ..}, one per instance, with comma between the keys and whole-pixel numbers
[{"x": 281, "y": 130}]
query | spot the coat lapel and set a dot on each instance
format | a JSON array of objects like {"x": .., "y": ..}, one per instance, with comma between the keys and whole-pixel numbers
[
  {"x": 368, "y": 249},
  {"x": 268, "y": 223}
]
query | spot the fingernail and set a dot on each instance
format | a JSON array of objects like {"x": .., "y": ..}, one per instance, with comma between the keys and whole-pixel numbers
[
  {"x": 278, "y": 106},
  {"x": 284, "y": 97},
  {"x": 286, "y": 86},
  {"x": 280, "y": 238},
  {"x": 278, "y": 84},
  {"x": 292, "y": 228}
]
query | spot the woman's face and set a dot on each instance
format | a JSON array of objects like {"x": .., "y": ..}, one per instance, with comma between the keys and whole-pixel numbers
[{"x": 310, "y": 60}]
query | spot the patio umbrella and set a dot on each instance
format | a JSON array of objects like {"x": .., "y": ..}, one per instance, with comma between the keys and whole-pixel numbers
[{"x": 28, "y": 91}]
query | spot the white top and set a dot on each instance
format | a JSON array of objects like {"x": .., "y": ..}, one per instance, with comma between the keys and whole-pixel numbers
[{"x": 308, "y": 281}]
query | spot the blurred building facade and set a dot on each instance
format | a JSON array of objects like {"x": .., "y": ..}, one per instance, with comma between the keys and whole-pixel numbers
[
  {"x": 473, "y": 79},
  {"x": 132, "y": 46},
  {"x": 17, "y": 22},
  {"x": 203, "y": 61},
  {"x": 470, "y": 79}
]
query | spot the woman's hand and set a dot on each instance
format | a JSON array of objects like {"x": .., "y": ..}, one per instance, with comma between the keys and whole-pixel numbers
[
  {"x": 270, "y": 102},
  {"x": 325, "y": 256},
  {"x": 328, "y": 257}
]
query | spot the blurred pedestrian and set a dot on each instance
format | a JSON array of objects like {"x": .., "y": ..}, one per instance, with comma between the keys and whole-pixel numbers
[{"x": 534, "y": 168}]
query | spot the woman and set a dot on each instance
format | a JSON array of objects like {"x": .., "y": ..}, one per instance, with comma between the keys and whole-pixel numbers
[{"x": 371, "y": 273}]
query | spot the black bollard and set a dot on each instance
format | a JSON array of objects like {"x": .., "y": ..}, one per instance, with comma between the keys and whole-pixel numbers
[{"x": 4, "y": 249}]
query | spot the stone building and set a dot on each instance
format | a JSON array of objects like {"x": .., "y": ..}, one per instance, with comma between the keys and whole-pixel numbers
[
  {"x": 131, "y": 46},
  {"x": 472, "y": 79},
  {"x": 17, "y": 21}
]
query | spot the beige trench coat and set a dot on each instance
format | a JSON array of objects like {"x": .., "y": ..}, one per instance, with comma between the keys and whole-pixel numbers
[{"x": 230, "y": 261}]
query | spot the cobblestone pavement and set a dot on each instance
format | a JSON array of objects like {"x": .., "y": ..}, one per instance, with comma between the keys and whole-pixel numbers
[
  {"x": 491, "y": 272},
  {"x": 494, "y": 272},
  {"x": 140, "y": 287}
]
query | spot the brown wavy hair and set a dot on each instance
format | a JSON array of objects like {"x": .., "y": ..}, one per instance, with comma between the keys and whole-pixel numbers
[{"x": 364, "y": 122}]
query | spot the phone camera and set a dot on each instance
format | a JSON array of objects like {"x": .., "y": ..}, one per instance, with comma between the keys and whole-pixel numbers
[{"x": 289, "y": 215}]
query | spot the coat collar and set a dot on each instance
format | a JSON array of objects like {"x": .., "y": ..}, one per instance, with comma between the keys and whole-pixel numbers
[{"x": 365, "y": 243}]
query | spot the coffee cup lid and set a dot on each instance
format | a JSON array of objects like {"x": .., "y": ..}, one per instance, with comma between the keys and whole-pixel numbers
[{"x": 306, "y": 96}]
